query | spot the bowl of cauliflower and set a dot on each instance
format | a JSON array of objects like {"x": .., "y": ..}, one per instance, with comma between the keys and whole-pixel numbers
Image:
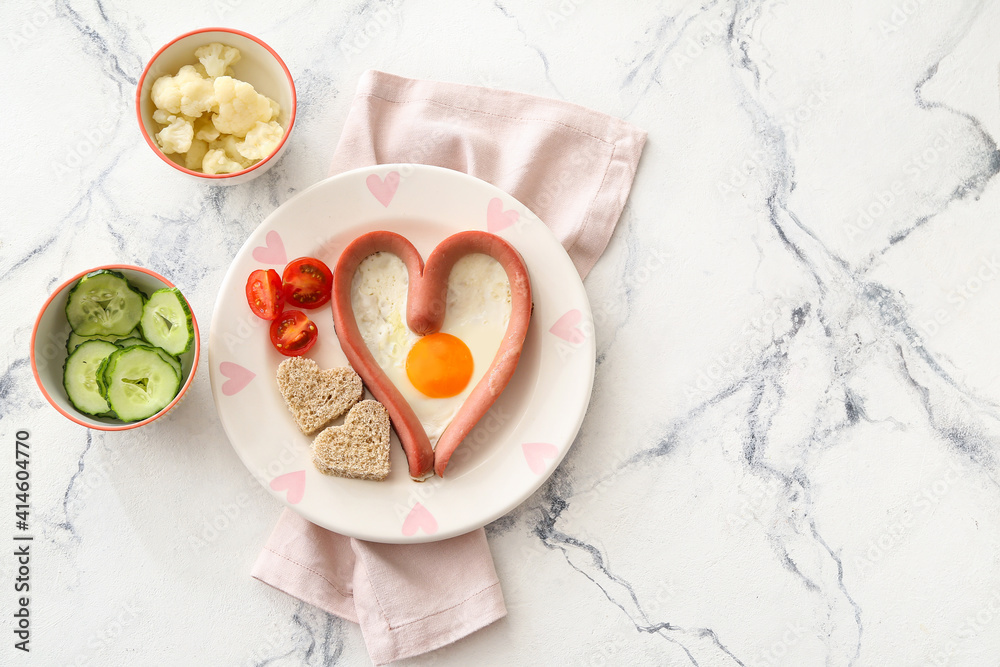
[{"x": 217, "y": 104}]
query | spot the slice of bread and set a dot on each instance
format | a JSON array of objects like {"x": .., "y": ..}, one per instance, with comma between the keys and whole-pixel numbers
[
  {"x": 316, "y": 397},
  {"x": 360, "y": 448}
]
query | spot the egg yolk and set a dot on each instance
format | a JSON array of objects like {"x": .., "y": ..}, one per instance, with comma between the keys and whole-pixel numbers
[{"x": 439, "y": 365}]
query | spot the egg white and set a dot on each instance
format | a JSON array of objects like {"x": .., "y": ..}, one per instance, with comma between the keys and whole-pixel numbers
[{"x": 478, "y": 311}]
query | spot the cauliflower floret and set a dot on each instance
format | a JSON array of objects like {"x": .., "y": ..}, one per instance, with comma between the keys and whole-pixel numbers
[
  {"x": 216, "y": 162},
  {"x": 261, "y": 141},
  {"x": 216, "y": 58},
  {"x": 193, "y": 158},
  {"x": 275, "y": 109},
  {"x": 230, "y": 145},
  {"x": 240, "y": 106},
  {"x": 187, "y": 92},
  {"x": 204, "y": 129},
  {"x": 204, "y": 72},
  {"x": 166, "y": 94},
  {"x": 176, "y": 136},
  {"x": 164, "y": 117}
]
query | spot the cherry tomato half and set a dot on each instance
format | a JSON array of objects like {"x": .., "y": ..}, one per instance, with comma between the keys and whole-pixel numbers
[
  {"x": 307, "y": 283},
  {"x": 264, "y": 294},
  {"x": 293, "y": 334}
]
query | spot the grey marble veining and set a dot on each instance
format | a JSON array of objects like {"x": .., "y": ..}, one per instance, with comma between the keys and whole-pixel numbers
[{"x": 791, "y": 453}]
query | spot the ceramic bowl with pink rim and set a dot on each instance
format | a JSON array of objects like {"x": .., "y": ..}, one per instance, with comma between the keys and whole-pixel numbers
[
  {"x": 49, "y": 349},
  {"x": 259, "y": 65}
]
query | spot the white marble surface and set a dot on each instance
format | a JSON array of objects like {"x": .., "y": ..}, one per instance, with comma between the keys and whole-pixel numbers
[{"x": 792, "y": 453}]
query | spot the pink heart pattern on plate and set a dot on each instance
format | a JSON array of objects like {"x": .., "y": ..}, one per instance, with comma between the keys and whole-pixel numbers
[
  {"x": 419, "y": 518},
  {"x": 567, "y": 329},
  {"x": 273, "y": 250},
  {"x": 537, "y": 453},
  {"x": 498, "y": 219},
  {"x": 239, "y": 377},
  {"x": 384, "y": 190},
  {"x": 294, "y": 483}
]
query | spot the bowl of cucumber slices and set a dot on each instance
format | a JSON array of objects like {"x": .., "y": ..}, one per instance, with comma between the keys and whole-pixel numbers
[{"x": 115, "y": 347}]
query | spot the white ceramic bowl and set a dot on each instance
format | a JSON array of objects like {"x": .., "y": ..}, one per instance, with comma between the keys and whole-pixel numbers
[
  {"x": 259, "y": 66},
  {"x": 48, "y": 349}
]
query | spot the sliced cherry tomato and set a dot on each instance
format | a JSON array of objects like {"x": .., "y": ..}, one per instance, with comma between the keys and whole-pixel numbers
[
  {"x": 293, "y": 334},
  {"x": 307, "y": 283},
  {"x": 264, "y": 294}
]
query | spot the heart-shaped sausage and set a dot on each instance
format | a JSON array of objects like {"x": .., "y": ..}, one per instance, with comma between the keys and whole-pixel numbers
[{"x": 425, "y": 308}]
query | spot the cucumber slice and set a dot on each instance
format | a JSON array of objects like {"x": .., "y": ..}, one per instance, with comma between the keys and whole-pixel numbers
[
  {"x": 80, "y": 376},
  {"x": 103, "y": 304},
  {"x": 166, "y": 321},
  {"x": 104, "y": 377},
  {"x": 130, "y": 341},
  {"x": 75, "y": 339},
  {"x": 139, "y": 382},
  {"x": 169, "y": 358},
  {"x": 172, "y": 360}
]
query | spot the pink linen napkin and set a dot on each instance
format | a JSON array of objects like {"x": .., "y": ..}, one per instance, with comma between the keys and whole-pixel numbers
[{"x": 573, "y": 168}]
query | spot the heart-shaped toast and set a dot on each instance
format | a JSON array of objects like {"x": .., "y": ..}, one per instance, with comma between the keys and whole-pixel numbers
[
  {"x": 316, "y": 397},
  {"x": 426, "y": 302},
  {"x": 358, "y": 449}
]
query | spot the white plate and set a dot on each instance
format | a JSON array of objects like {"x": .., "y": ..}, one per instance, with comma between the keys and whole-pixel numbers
[{"x": 516, "y": 445}]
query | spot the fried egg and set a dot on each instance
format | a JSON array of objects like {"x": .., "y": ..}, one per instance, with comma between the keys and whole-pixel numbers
[{"x": 437, "y": 372}]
